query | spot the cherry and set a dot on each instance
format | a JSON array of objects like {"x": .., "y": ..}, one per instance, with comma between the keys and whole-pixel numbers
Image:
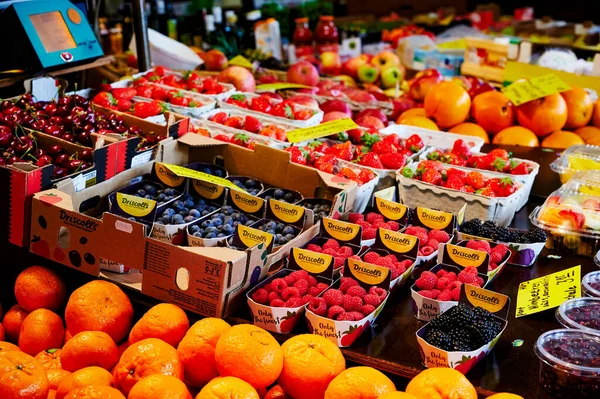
[
  {"x": 40, "y": 152},
  {"x": 77, "y": 110},
  {"x": 39, "y": 125},
  {"x": 59, "y": 172},
  {"x": 8, "y": 152},
  {"x": 62, "y": 160},
  {"x": 52, "y": 130},
  {"x": 88, "y": 128},
  {"x": 39, "y": 105},
  {"x": 55, "y": 120},
  {"x": 121, "y": 129},
  {"x": 6, "y": 104},
  {"x": 43, "y": 161},
  {"x": 62, "y": 110},
  {"x": 103, "y": 125},
  {"x": 28, "y": 120},
  {"x": 40, "y": 115},
  {"x": 64, "y": 101},
  {"x": 90, "y": 118},
  {"x": 74, "y": 165},
  {"x": 11, "y": 110},
  {"x": 50, "y": 109},
  {"x": 104, "y": 131},
  {"x": 87, "y": 155},
  {"x": 79, "y": 101},
  {"x": 68, "y": 137},
  {"x": 67, "y": 121},
  {"x": 84, "y": 138},
  {"x": 2, "y": 162},
  {"x": 54, "y": 150},
  {"x": 85, "y": 165},
  {"x": 134, "y": 130},
  {"x": 25, "y": 144},
  {"x": 12, "y": 159}
]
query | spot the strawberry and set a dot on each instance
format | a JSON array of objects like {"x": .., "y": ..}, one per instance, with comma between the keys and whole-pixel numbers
[
  {"x": 520, "y": 169},
  {"x": 260, "y": 104},
  {"x": 145, "y": 91},
  {"x": 124, "y": 105},
  {"x": 235, "y": 122},
  {"x": 179, "y": 99},
  {"x": 392, "y": 160},
  {"x": 342, "y": 151},
  {"x": 455, "y": 183},
  {"x": 414, "y": 143},
  {"x": 502, "y": 187},
  {"x": 366, "y": 176},
  {"x": 252, "y": 124},
  {"x": 145, "y": 110},
  {"x": 475, "y": 179},
  {"x": 453, "y": 159},
  {"x": 381, "y": 147},
  {"x": 104, "y": 99},
  {"x": 371, "y": 160},
  {"x": 499, "y": 153},
  {"x": 486, "y": 192},
  {"x": 452, "y": 172},
  {"x": 219, "y": 118},
  {"x": 435, "y": 155},
  {"x": 325, "y": 163},
  {"x": 303, "y": 114},
  {"x": 284, "y": 109},
  {"x": 160, "y": 70},
  {"x": 393, "y": 140},
  {"x": 104, "y": 86},
  {"x": 240, "y": 139},
  {"x": 296, "y": 155},
  {"x": 238, "y": 100},
  {"x": 124, "y": 93},
  {"x": 222, "y": 137},
  {"x": 461, "y": 149},
  {"x": 431, "y": 176}
]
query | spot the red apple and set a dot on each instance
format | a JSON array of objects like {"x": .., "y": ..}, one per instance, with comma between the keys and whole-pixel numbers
[
  {"x": 377, "y": 113},
  {"x": 241, "y": 78},
  {"x": 420, "y": 86},
  {"x": 334, "y": 115},
  {"x": 386, "y": 59},
  {"x": 402, "y": 104},
  {"x": 370, "y": 87},
  {"x": 351, "y": 66},
  {"x": 361, "y": 96},
  {"x": 370, "y": 122},
  {"x": 335, "y": 106},
  {"x": 214, "y": 60},
  {"x": 428, "y": 72},
  {"x": 303, "y": 73},
  {"x": 306, "y": 101},
  {"x": 331, "y": 63},
  {"x": 379, "y": 96}
]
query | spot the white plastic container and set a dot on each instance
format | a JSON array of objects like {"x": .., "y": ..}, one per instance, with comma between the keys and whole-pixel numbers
[
  {"x": 433, "y": 138},
  {"x": 168, "y": 52},
  {"x": 575, "y": 159}
]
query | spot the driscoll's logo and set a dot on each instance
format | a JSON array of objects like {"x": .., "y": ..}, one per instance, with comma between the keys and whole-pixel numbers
[
  {"x": 341, "y": 229},
  {"x": 253, "y": 236},
  {"x": 245, "y": 200},
  {"x": 88, "y": 225},
  {"x": 434, "y": 218},
  {"x": 397, "y": 240},
  {"x": 311, "y": 259},
  {"x": 465, "y": 255},
  {"x": 164, "y": 171},
  {"x": 387, "y": 207},
  {"x": 207, "y": 187},
  {"x": 135, "y": 204},
  {"x": 367, "y": 271},
  {"x": 493, "y": 300},
  {"x": 286, "y": 210}
]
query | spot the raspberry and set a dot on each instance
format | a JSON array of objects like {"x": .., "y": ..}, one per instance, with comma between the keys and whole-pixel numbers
[
  {"x": 321, "y": 287},
  {"x": 451, "y": 276},
  {"x": 442, "y": 283},
  {"x": 355, "y": 217},
  {"x": 392, "y": 258},
  {"x": 357, "y": 290},
  {"x": 302, "y": 286},
  {"x": 273, "y": 295},
  {"x": 330, "y": 251},
  {"x": 384, "y": 261},
  {"x": 260, "y": 296},
  {"x": 374, "y": 217},
  {"x": 480, "y": 245},
  {"x": 427, "y": 281},
  {"x": 395, "y": 271},
  {"x": 381, "y": 225},
  {"x": 346, "y": 316},
  {"x": 333, "y": 297},
  {"x": 441, "y": 273},
  {"x": 454, "y": 284},
  {"x": 355, "y": 257},
  {"x": 345, "y": 251},
  {"x": 364, "y": 224},
  {"x": 433, "y": 244},
  {"x": 380, "y": 292},
  {"x": 293, "y": 303},
  {"x": 277, "y": 303},
  {"x": 290, "y": 292},
  {"x": 299, "y": 275},
  {"x": 471, "y": 270},
  {"x": 318, "y": 306},
  {"x": 368, "y": 309},
  {"x": 306, "y": 299},
  {"x": 426, "y": 251},
  {"x": 268, "y": 287},
  {"x": 338, "y": 262},
  {"x": 394, "y": 226},
  {"x": 314, "y": 248},
  {"x": 289, "y": 280},
  {"x": 352, "y": 303},
  {"x": 435, "y": 293},
  {"x": 372, "y": 300},
  {"x": 334, "y": 311},
  {"x": 331, "y": 243},
  {"x": 467, "y": 278},
  {"x": 369, "y": 233},
  {"x": 311, "y": 281},
  {"x": 496, "y": 257},
  {"x": 426, "y": 294},
  {"x": 439, "y": 236},
  {"x": 445, "y": 296},
  {"x": 371, "y": 257},
  {"x": 347, "y": 282},
  {"x": 455, "y": 294},
  {"x": 278, "y": 284},
  {"x": 357, "y": 315},
  {"x": 422, "y": 238},
  {"x": 480, "y": 282},
  {"x": 501, "y": 248},
  {"x": 413, "y": 230}
]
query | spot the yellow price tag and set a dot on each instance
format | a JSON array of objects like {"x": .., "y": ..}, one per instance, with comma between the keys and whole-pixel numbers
[
  {"x": 549, "y": 291},
  {"x": 281, "y": 86},
  {"x": 242, "y": 61},
  {"x": 322, "y": 130},
  {"x": 194, "y": 174},
  {"x": 534, "y": 88},
  {"x": 459, "y": 44}
]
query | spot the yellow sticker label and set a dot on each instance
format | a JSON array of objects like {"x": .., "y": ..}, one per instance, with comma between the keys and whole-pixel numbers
[
  {"x": 242, "y": 61},
  {"x": 167, "y": 176},
  {"x": 251, "y": 237},
  {"x": 194, "y": 174},
  {"x": 367, "y": 273},
  {"x": 390, "y": 209},
  {"x": 549, "y": 291},
  {"x": 208, "y": 190},
  {"x": 459, "y": 44},
  {"x": 322, "y": 130},
  {"x": 339, "y": 230},
  {"x": 312, "y": 262},
  {"x": 581, "y": 163},
  {"x": 286, "y": 212},
  {"x": 397, "y": 242},
  {"x": 246, "y": 202},
  {"x": 433, "y": 219},
  {"x": 465, "y": 257},
  {"x": 281, "y": 86},
  {"x": 135, "y": 206},
  {"x": 534, "y": 88},
  {"x": 490, "y": 300}
]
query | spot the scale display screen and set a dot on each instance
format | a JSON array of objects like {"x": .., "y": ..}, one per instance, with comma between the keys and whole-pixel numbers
[{"x": 53, "y": 31}]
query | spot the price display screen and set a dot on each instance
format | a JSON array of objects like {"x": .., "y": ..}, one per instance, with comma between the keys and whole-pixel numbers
[{"x": 53, "y": 31}]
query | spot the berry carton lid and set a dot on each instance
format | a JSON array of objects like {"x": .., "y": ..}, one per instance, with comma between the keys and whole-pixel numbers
[
  {"x": 577, "y": 158},
  {"x": 341, "y": 231},
  {"x": 141, "y": 209},
  {"x": 247, "y": 237},
  {"x": 247, "y": 203},
  {"x": 294, "y": 215},
  {"x": 590, "y": 284},
  {"x": 580, "y": 313},
  {"x": 494, "y": 302},
  {"x": 463, "y": 257},
  {"x": 433, "y": 219},
  {"x": 166, "y": 177},
  {"x": 391, "y": 210}
]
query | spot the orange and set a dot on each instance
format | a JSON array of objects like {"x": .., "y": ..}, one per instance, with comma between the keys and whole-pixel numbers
[
  {"x": 22, "y": 377},
  {"x": 493, "y": 111},
  {"x": 2, "y": 333},
  {"x": 12, "y": 322},
  {"x": 505, "y": 395},
  {"x": 561, "y": 139},
  {"x": 250, "y": 353},
  {"x": 580, "y": 107},
  {"x": 49, "y": 358},
  {"x": 198, "y": 347},
  {"x": 82, "y": 378},
  {"x": 39, "y": 287},
  {"x": 448, "y": 104},
  {"x": 420, "y": 121},
  {"x": 441, "y": 382},
  {"x": 276, "y": 393},
  {"x": 52, "y": 394},
  {"x": 68, "y": 336},
  {"x": 310, "y": 362},
  {"x": 7, "y": 347},
  {"x": 596, "y": 116},
  {"x": 411, "y": 112},
  {"x": 359, "y": 383},
  {"x": 544, "y": 115},
  {"x": 226, "y": 388},
  {"x": 470, "y": 129},
  {"x": 55, "y": 377},
  {"x": 146, "y": 357},
  {"x": 589, "y": 134},
  {"x": 42, "y": 329},
  {"x": 516, "y": 135},
  {"x": 99, "y": 306},
  {"x": 397, "y": 395},
  {"x": 89, "y": 348},
  {"x": 95, "y": 392},
  {"x": 159, "y": 386},
  {"x": 164, "y": 321}
]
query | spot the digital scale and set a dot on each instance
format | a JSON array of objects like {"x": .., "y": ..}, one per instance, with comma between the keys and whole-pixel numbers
[{"x": 41, "y": 35}]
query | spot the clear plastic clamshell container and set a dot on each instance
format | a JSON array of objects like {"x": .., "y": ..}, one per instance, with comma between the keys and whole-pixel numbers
[
  {"x": 590, "y": 284},
  {"x": 575, "y": 159},
  {"x": 584, "y": 182},
  {"x": 580, "y": 313}
]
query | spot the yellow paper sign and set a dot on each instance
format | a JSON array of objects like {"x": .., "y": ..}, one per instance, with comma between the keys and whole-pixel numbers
[
  {"x": 194, "y": 174},
  {"x": 322, "y": 130},
  {"x": 534, "y": 88},
  {"x": 242, "y": 61},
  {"x": 549, "y": 291},
  {"x": 281, "y": 86}
]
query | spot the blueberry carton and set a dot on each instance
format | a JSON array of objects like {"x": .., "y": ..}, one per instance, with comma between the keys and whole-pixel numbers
[
  {"x": 317, "y": 208},
  {"x": 214, "y": 230},
  {"x": 251, "y": 185},
  {"x": 282, "y": 194},
  {"x": 292, "y": 215},
  {"x": 282, "y": 233}
]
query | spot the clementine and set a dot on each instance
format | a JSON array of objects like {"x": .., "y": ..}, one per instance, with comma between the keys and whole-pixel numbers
[
  {"x": 448, "y": 104},
  {"x": 22, "y": 377},
  {"x": 561, "y": 139},
  {"x": 397, "y": 395},
  {"x": 516, "y": 135},
  {"x": 95, "y": 392},
  {"x": 52, "y": 394},
  {"x": 7, "y": 347},
  {"x": 146, "y": 357},
  {"x": 159, "y": 386},
  {"x": 310, "y": 362},
  {"x": 198, "y": 347},
  {"x": 99, "y": 306},
  {"x": 68, "y": 336},
  {"x": 580, "y": 107},
  {"x": 420, "y": 121},
  {"x": 13, "y": 319},
  {"x": 589, "y": 134},
  {"x": 493, "y": 111},
  {"x": 276, "y": 393},
  {"x": 596, "y": 115},
  {"x": 55, "y": 377},
  {"x": 359, "y": 383},
  {"x": 505, "y": 395},
  {"x": 411, "y": 112},
  {"x": 164, "y": 321},
  {"x": 82, "y": 378},
  {"x": 250, "y": 353},
  {"x": 42, "y": 329},
  {"x": 441, "y": 382},
  {"x": 49, "y": 358},
  {"x": 227, "y": 387},
  {"x": 89, "y": 348},
  {"x": 544, "y": 115},
  {"x": 2, "y": 333},
  {"x": 39, "y": 287},
  {"x": 470, "y": 129}
]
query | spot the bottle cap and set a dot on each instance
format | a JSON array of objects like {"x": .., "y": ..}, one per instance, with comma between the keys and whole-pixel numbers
[
  {"x": 301, "y": 20},
  {"x": 326, "y": 18}
]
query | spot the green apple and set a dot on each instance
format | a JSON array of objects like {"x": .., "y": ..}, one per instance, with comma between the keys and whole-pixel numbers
[
  {"x": 392, "y": 75},
  {"x": 368, "y": 73}
]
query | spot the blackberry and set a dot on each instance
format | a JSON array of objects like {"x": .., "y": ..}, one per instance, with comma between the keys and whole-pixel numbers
[
  {"x": 501, "y": 234},
  {"x": 537, "y": 235},
  {"x": 513, "y": 235},
  {"x": 471, "y": 227},
  {"x": 461, "y": 339},
  {"x": 487, "y": 229},
  {"x": 439, "y": 339}
]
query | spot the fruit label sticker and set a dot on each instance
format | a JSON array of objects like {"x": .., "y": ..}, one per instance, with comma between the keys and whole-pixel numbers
[
  {"x": 210, "y": 191},
  {"x": 313, "y": 262},
  {"x": 541, "y": 86},
  {"x": 322, "y": 130},
  {"x": 242, "y": 61},
  {"x": 247, "y": 237},
  {"x": 247, "y": 203},
  {"x": 141, "y": 209},
  {"x": 433, "y": 219},
  {"x": 342, "y": 231},
  {"x": 549, "y": 291},
  {"x": 493, "y": 302},
  {"x": 167, "y": 176},
  {"x": 392, "y": 210},
  {"x": 397, "y": 242},
  {"x": 455, "y": 255},
  {"x": 287, "y": 213},
  {"x": 280, "y": 86},
  {"x": 368, "y": 275},
  {"x": 180, "y": 171}
]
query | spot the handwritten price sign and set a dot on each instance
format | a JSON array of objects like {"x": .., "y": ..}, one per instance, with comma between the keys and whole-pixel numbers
[
  {"x": 322, "y": 130},
  {"x": 534, "y": 88}
]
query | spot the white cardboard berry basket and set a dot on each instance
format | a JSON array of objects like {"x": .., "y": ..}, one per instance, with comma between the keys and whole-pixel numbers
[
  {"x": 417, "y": 193},
  {"x": 364, "y": 191},
  {"x": 207, "y": 104},
  {"x": 395, "y": 243},
  {"x": 433, "y": 138}
]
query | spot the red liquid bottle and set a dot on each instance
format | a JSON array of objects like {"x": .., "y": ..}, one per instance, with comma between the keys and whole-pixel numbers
[
  {"x": 303, "y": 39},
  {"x": 326, "y": 35}
]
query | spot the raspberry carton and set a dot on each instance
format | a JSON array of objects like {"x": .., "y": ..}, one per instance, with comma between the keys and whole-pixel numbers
[
  {"x": 389, "y": 215},
  {"x": 433, "y": 228},
  {"x": 404, "y": 247},
  {"x": 351, "y": 305},
  {"x": 278, "y": 303},
  {"x": 465, "y": 333},
  {"x": 497, "y": 255}
]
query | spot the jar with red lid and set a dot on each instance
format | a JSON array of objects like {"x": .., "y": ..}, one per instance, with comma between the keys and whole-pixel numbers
[
  {"x": 303, "y": 39},
  {"x": 326, "y": 35}
]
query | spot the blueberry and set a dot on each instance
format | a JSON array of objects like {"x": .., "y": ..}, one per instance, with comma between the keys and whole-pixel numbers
[
  {"x": 210, "y": 235},
  {"x": 239, "y": 183},
  {"x": 197, "y": 234},
  {"x": 201, "y": 202},
  {"x": 283, "y": 241},
  {"x": 248, "y": 222},
  {"x": 189, "y": 203},
  {"x": 140, "y": 193},
  {"x": 159, "y": 221},
  {"x": 212, "y": 208},
  {"x": 169, "y": 191},
  {"x": 183, "y": 212},
  {"x": 161, "y": 197},
  {"x": 270, "y": 225},
  {"x": 169, "y": 212},
  {"x": 177, "y": 219},
  {"x": 218, "y": 173},
  {"x": 211, "y": 229},
  {"x": 287, "y": 230},
  {"x": 289, "y": 237},
  {"x": 234, "y": 224},
  {"x": 236, "y": 216},
  {"x": 251, "y": 183},
  {"x": 289, "y": 197},
  {"x": 178, "y": 205},
  {"x": 194, "y": 213},
  {"x": 271, "y": 232},
  {"x": 204, "y": 213},
  {"x": 278, "y": 193},
  {"x": 280, "y": 227},
  {"x": 206, "y": 223},
  {"x": 148, "y": 196},
  {"x": 278, "y": 237},
  {"x": 165, "y": 220},
  {"x": 227, "y": 209},
  {"x": 220, "y": 235},
  {"x": 195, "y": 228},
  {"x": 207, "y": 171},
  {"x": 228, "y": 229},
  {"x": 189, "y": 219},
  {"x": 254, "y": 191}
]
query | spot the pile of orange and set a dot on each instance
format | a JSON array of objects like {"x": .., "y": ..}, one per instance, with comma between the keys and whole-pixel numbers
[
  {"x": 99, "y": 354},
  {"x": 556, "y": 121}
]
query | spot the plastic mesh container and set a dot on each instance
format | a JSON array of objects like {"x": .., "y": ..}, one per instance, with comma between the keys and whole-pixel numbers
[
  {"x": 590, "y": 284},
  {"x": 575, "y": 159},
  {"x": 580, "y": 313}
]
